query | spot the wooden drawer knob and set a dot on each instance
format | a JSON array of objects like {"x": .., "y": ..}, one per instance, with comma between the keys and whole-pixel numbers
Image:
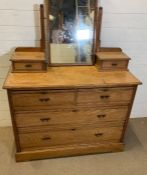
[
  {"x": 74, "y": 110},
  {"x": 28, "y": 65},
  {"x": 105, "y": 90},
  {"x": 114, "y": 64},
  {"x": 73, "y": 129},
  {"x": 44, "y": 93},
  {"x": 45, "y": 119},
  {"x": 105, "y": 96},
  {"x": 98, "y": 134},
  {"x": 44, "y": 99},
  {"x": 101, "y": 116},
  {"x": 46, "y": 138}
]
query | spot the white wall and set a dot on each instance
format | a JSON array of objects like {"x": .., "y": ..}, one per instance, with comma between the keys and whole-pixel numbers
[
  {"x": 124, "y": 25},
  {"x": 19, "y": 26}
]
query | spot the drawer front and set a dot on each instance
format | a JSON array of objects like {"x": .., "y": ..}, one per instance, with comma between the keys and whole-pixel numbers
[
  {"x": 105, "y": 96},
  {"x": 102, "y": 116},
  {"x": 69, "y": 137},
  {"x": 42, "y": 100},
  {"x": 28, "y": 66},
  {"x": 114, "y": 65}
]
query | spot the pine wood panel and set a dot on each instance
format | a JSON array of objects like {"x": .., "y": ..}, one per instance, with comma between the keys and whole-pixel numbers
[
  {"x": 28, "y": 61},
  {"x": 32, "y": 100},
  {"x": 28, "y": 56},
  {"x": 65, "y": 77},
  {"x": 71, "y": 150},
  {"x": 77, "y": 116},
  {"x": 113, "y": 65},
  {"x": 105, "y": 96},
  {"x": 30, "y": 66},
  {"x": 56, "y": 138},
  {"x": 110, "y": 61},
  {"x": 112, "y": 56}
]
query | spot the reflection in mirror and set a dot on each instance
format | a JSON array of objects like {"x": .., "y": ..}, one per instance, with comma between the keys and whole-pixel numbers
[{"x": 71, "y": 31}]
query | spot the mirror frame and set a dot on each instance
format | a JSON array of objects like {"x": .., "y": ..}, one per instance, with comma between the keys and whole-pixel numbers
[{"x": 96, "y": 36}]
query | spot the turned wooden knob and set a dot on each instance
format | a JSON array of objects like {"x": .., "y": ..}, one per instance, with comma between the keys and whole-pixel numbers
[
  {"x": 101, "y": 116},
  {"x": 105, "y": 96},
  {"x": 46, "y": 138},
  {"x": 114, "y": 64},
  {"x": 98, "y": 134},
  {"x": 45, "y": 119},
  {"x": 28, "y": 65},
  {"x": 44, "y": 99},
  {"x": 73, "y": 129},
  {"x": 74, "y": 110}
]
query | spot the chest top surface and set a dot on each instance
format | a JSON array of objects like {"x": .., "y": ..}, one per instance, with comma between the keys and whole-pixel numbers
[
  {"x": 112, "y": 55},
  {"x": 27, "y": 56},
  {"x": 69, "y": 77}
]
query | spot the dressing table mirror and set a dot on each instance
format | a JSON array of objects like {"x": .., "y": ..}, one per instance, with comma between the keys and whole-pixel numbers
[{"x": 69, "y": 31}]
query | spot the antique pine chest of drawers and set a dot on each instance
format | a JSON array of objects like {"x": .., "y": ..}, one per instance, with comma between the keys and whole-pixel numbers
[{"x": 69, "y": 111}]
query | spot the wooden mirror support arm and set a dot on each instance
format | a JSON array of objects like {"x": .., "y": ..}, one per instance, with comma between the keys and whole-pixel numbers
[{"x": 42, "y": 40}]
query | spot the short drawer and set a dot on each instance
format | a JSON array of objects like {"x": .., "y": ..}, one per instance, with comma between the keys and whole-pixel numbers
[
  {"x": 69, "y": 137},
  {"x": 105, "y": 96},
  {"x": 112, "y": 61},
  {"x": 103, "y": 116},
  {"x": 28, "y": 66},
  {"x": 38, "y": 100},
  {"x": 114, "y": 65}
]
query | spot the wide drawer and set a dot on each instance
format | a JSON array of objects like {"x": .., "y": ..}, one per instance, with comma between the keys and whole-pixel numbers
[
  {"x": 103, "y": 116},
  {"x": 37, "y": 100},
  {"x": 69, "y": 137},
  {"x": 105, "y": 96}
]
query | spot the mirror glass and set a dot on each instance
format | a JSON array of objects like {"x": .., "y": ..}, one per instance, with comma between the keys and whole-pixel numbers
[{"x": 71, "y": 30}]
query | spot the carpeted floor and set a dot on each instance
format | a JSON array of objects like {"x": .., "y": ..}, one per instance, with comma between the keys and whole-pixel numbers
[{"x": 133, "y": 161}]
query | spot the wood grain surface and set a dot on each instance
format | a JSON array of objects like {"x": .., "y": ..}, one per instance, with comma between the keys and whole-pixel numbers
[{"x": 66, "y": 77}]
